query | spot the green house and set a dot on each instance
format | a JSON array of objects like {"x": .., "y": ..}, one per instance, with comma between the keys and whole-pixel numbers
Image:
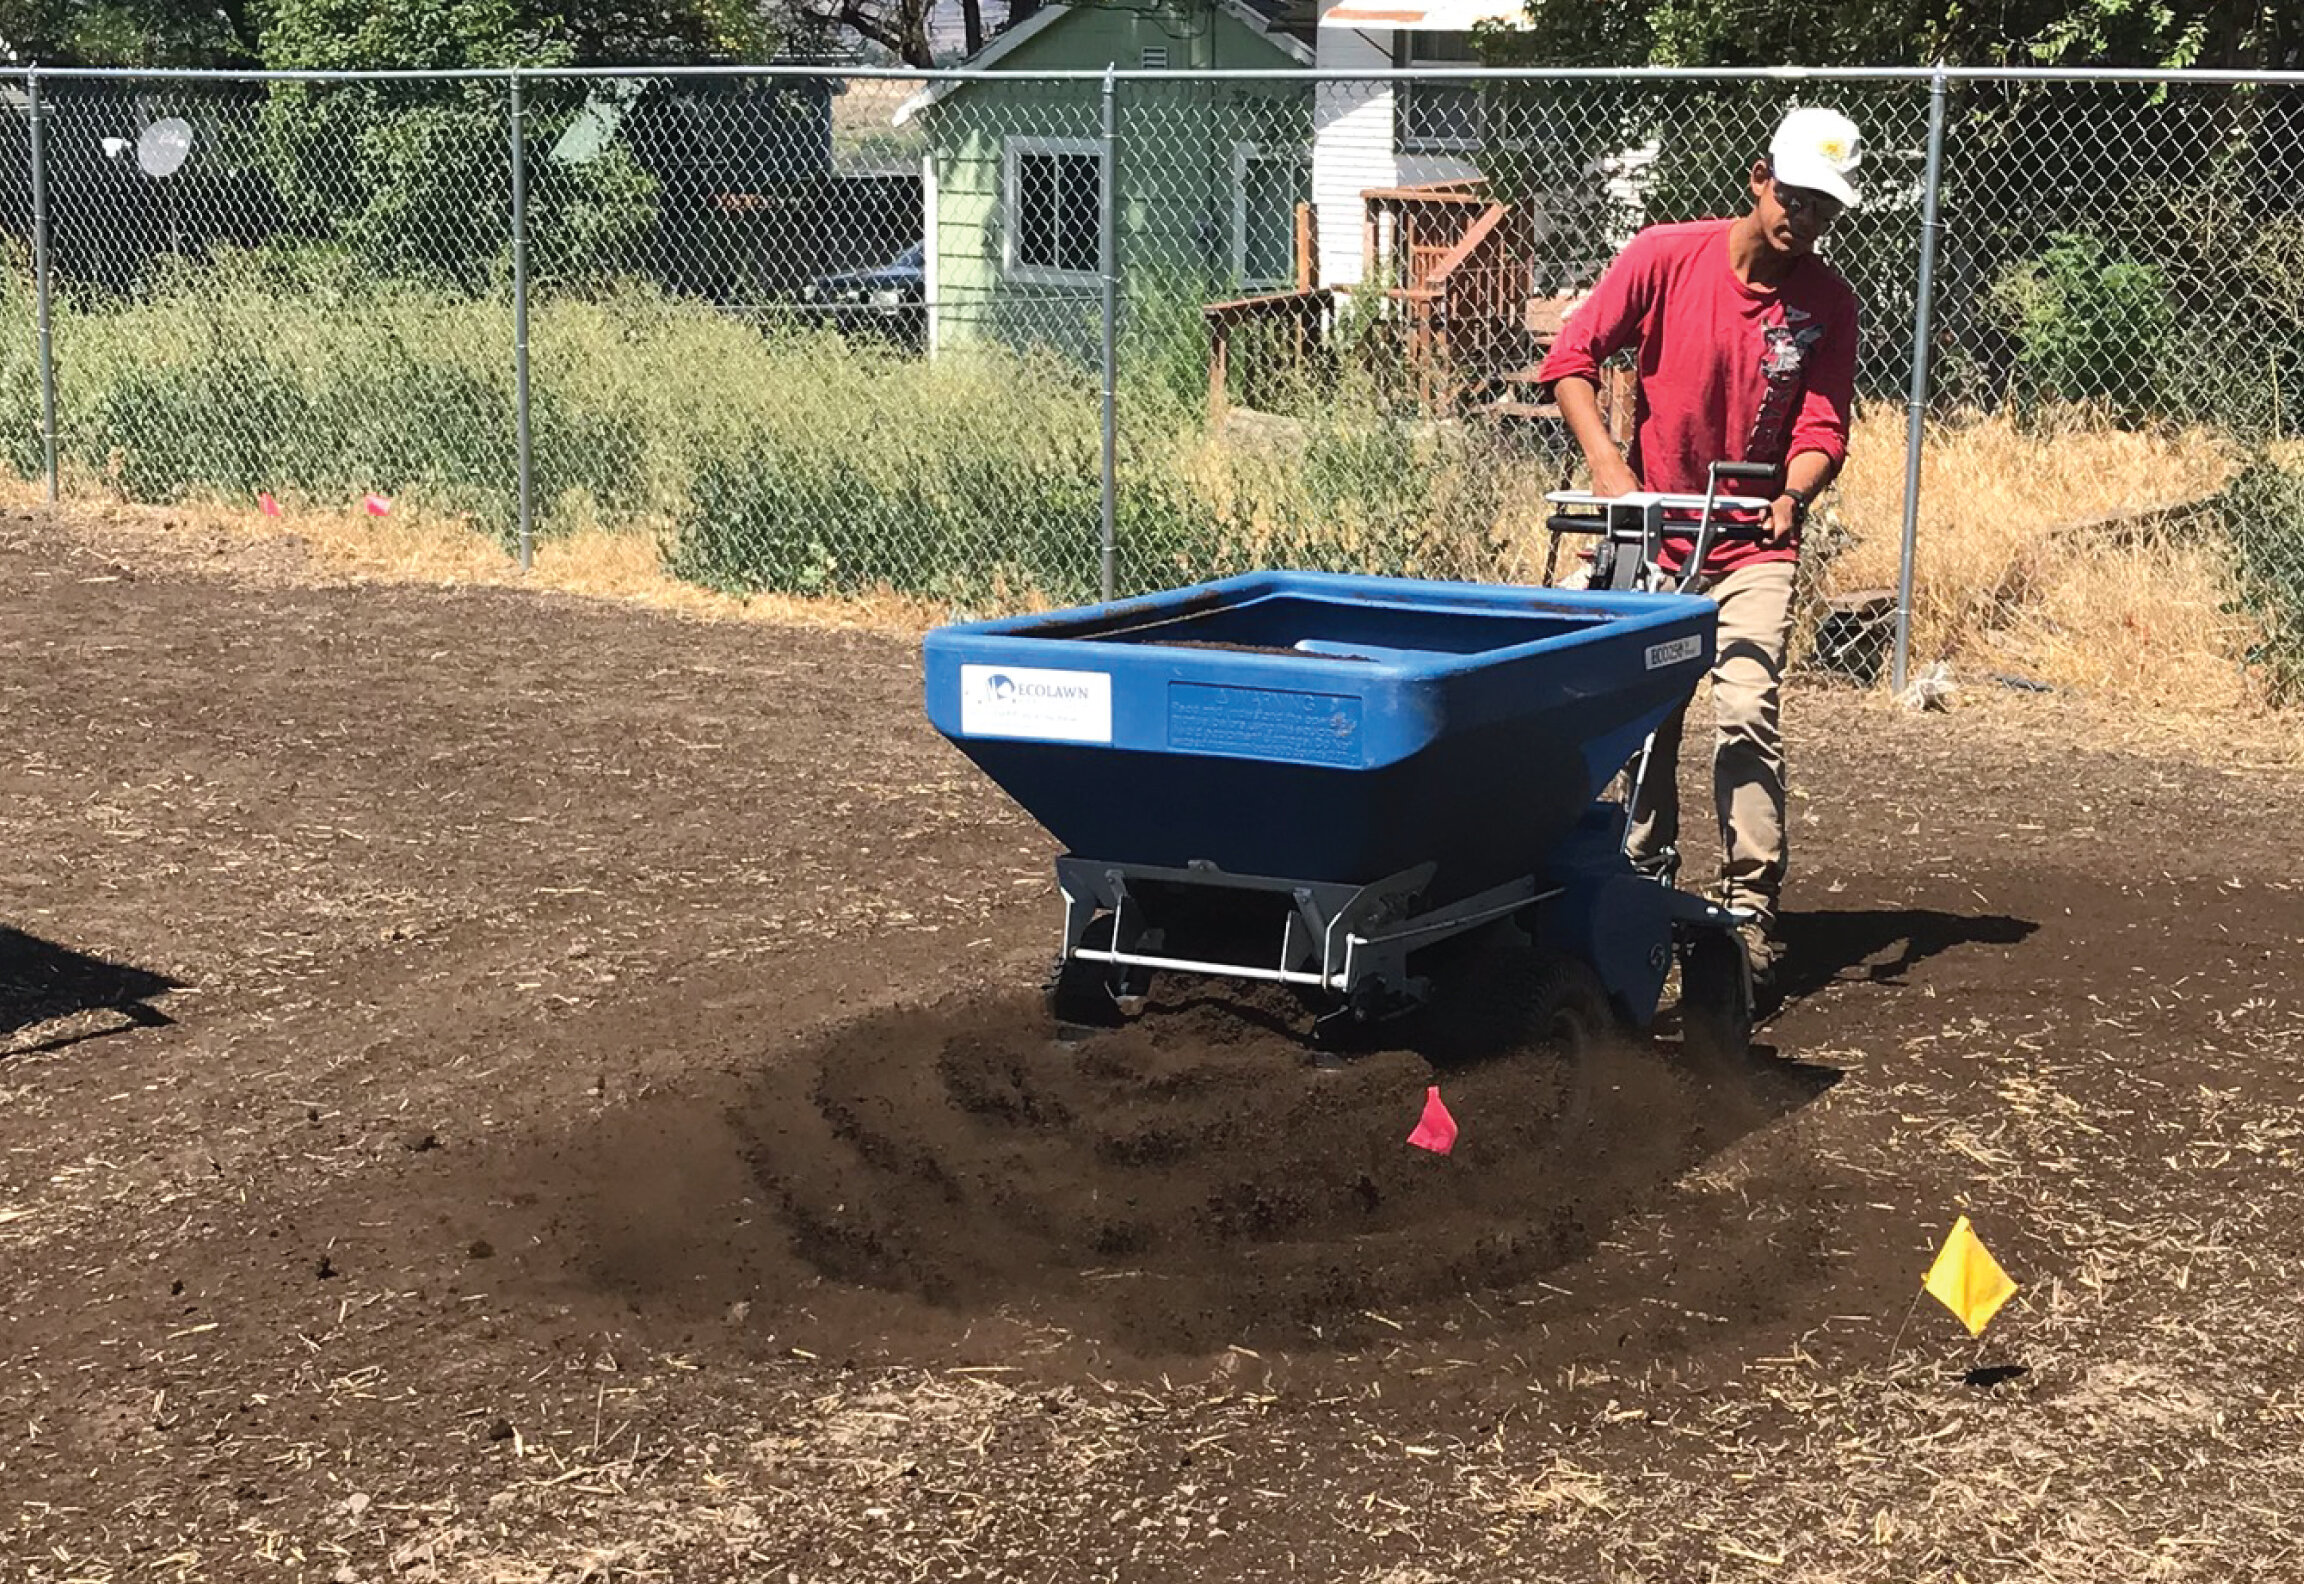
[{"x": 1208, "y": 176}]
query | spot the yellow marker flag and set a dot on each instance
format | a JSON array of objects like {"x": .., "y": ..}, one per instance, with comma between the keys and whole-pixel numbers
[{"x": 1967, "y": 1280}]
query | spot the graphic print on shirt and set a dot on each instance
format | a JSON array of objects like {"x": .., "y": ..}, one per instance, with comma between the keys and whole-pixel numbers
[{"x": 1786, "y": 339}]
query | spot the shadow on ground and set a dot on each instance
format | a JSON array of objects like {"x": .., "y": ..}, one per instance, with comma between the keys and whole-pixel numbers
[
  {"x": 1881, "y": 945},
  {"x": 43, "y": 983}
]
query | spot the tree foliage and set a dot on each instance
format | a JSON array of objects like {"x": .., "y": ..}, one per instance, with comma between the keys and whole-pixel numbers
[
  {"x": 345, "y": 35},
  {"x": 414, "y": 178},
  {"x": 323, "y": 34},
  {"x": 2233, "y": 34},
  {"x": 132, "y": 32},
  {"x": 897, "y": 26}
]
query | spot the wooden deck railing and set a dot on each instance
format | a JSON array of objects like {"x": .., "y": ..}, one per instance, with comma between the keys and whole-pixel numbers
[
  {"x": 1456, "y": 266},
  {"x": 1308, "y": 316}
]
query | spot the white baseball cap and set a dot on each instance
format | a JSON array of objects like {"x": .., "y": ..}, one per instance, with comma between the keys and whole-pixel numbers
[{"x": 1818, "y": 149}]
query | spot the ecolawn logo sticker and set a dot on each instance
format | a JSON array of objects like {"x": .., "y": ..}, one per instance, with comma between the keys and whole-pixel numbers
[
  {"x": 1679, "y": 649},
  {"x": 1028, "y": 701}
]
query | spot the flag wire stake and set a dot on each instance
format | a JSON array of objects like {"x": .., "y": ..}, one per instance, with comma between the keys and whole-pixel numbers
[{"x": 1909, "y": 1310}]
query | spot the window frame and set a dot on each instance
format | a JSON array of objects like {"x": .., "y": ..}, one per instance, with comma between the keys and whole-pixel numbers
[
  {"x": 1243, "y": 153},
  {"x": 1403, "y": 57},
  {"x": 1013, "y": 152}
]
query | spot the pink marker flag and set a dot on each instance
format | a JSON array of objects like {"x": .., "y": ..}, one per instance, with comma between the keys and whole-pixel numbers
[
  {"x": 1436, "y": 1131},
  {"x": 267, "y": 505},
  {"x": 376, "y": 505}
]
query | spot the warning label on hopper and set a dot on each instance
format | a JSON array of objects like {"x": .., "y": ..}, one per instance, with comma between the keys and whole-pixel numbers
[{"x": 1264, "y": 723}]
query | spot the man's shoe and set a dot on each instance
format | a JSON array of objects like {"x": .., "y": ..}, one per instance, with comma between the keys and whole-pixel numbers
[{"x": 1764, "y": 952}]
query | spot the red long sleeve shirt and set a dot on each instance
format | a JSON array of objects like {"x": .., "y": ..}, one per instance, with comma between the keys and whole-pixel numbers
[{"x": 1728, "y": 372}]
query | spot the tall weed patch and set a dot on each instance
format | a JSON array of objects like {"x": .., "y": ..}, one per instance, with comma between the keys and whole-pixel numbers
[
  {"x": 827, "y": 466},
  {"x": 225, "y": 385},
  {"x": 765, "y": 458}
]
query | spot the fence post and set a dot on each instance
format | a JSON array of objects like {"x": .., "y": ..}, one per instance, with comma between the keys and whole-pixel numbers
[
  {"x": 520, "y": 413},
  {"x": 1107, "y": 267},
  {"x": 42, "y": 272},
  {"x": 1917, "y": 412}
]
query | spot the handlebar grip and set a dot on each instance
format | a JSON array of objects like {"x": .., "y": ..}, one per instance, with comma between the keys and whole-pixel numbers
[
  {"x": 1745, "y": 470},
  {"x": 1562, "y": 523}
]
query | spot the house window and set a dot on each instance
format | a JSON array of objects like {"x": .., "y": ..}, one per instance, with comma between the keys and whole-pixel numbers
[
  {"x": 1437, "y": 117},
  {"x": 1267, "y": 185},
  {"x": 1054, "y": 201}
]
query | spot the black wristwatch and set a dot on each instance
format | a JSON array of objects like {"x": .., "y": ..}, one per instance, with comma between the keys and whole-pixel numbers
[{"x": 1799, "y": 506}]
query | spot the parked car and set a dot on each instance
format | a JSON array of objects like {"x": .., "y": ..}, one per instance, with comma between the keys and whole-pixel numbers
[{"x": 889, "y": 299}]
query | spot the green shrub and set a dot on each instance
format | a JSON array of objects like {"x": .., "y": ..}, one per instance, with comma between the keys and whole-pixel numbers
[
  {"x": 2264, "y": 517},
  {"x": 1163, "y": 346},
  {"x": 2089, "y": 326}
]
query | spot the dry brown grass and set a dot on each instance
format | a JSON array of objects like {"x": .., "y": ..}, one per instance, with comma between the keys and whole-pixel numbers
[
  {"x": 622, "y": 565},
  {"x": 2037, "y": 555}
]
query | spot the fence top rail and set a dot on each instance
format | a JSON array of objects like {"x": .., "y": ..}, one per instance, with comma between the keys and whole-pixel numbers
[{"x": 1919, "y": 75}]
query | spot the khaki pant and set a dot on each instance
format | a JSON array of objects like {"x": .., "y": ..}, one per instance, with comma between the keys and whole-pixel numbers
[{"x": 1748, "y": 759}]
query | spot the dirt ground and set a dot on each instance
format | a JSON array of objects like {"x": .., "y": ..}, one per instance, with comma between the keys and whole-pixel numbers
[{"x": 497, "y": 1086}]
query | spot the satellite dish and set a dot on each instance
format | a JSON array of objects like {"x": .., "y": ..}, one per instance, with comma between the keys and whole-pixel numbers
[
  {"x": 161, "y": 147},
  {"x": 586, "y": 138},
  {"x": 593, "y": 127}
]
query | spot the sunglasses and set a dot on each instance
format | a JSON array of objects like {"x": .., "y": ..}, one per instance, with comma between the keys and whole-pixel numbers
[{"x": 1804, "y": 201}]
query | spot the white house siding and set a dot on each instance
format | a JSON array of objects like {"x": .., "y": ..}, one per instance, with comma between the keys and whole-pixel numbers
[{"x": 1352, "y": 148}]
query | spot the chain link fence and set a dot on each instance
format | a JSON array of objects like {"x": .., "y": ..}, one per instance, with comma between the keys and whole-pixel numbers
[{"x": 1010, "y": 336}]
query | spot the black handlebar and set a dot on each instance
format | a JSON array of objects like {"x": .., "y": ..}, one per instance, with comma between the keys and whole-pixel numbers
[{"x": 1562, "y": 523}]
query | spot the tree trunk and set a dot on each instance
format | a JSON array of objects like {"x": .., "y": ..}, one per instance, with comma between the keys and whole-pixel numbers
[
  {"x": 917, "y": 51},
  {"x": 903, "y": 29}
]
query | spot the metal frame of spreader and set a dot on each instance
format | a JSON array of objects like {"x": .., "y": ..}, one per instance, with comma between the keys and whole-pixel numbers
[{"x": 1349, "y": 941}]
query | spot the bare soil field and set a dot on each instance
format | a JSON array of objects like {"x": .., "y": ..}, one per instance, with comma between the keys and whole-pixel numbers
[{"x": 499, "y": 1086}]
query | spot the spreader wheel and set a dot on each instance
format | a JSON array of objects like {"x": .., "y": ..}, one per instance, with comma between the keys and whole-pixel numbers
[
  {"x": 1572, "y": 1021},
  {"x": 1715, "y": 999}
]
